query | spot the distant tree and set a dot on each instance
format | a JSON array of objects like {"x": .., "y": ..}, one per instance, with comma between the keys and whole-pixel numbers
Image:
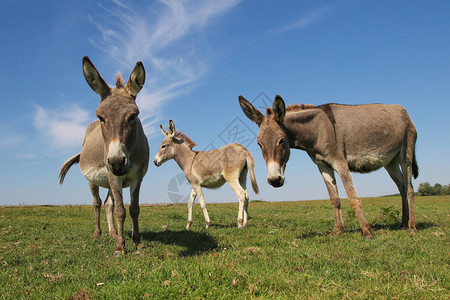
[
  {"x": 437, "y": 189},
  {"x": 425, "y": 189},
  {"x": 445, "y": 190}
]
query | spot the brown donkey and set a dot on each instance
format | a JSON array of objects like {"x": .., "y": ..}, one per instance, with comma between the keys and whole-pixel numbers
[
  {"x": 209, "y": 169},
  {"x": 341, "y": 138},
  {"x": 115, "y": 150}
]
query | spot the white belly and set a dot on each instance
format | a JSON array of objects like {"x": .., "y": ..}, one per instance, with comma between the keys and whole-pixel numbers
[
  {"x": 98, "y": 176},
  {"x": 367, "y": 163},
  {"x": 213, "y": 181}
]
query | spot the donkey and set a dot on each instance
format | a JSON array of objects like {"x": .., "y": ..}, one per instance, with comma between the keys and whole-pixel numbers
[
  {"x": 341, "y": 138},
  {"x": 209, "y": 169},
  {"x": 115, "y": 150}
]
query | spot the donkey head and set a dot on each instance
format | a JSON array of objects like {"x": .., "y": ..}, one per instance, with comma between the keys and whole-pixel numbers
[
  {"x": 117, "y": 113},
  {"x": 167, "y": 149},
  {"x": 271, "y": 138}
]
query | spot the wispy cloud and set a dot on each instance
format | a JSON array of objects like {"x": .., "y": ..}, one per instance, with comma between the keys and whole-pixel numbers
[
  {"x": 62, "y": 127},
  {"x": 305, "y": 20},
  {"x": 166, "y": 37}
]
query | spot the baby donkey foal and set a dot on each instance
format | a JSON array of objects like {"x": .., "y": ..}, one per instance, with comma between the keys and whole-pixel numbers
[{"x": 209, "y": 169}]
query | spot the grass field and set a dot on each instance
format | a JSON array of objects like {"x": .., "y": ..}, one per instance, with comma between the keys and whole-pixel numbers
[{"x": 285, "y": 253}]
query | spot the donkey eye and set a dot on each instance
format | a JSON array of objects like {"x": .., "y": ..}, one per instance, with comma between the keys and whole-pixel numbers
[
  {"x": 132, "y": 118},
  {"x": 281, "y": 142},
  {"x": 101, "y": 119},
  {"x": 260, "y": 146},
  {"x": 163, "y": 146}
]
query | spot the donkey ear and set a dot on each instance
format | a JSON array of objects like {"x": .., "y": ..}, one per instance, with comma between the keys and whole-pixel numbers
[
  {"x": 279, "y": 109},
  {"x": 163, "y": 131},
  {"x": 171, "y": 129},
  {"x": 137, "y": 79},
  {"x": 94, "y": 79},
  {"x": 250, "y": 111}
]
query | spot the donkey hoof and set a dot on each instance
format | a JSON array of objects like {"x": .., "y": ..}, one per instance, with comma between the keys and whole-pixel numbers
[
  {"x": 119, "y": 253},
  {"x": 188, "y": 225},
  {"x": 140, "y": 246},
  {"x": 112, "y": 234},
  {"x": 337, "y": 231},
  {"x": 97, "y": 233},
  {"x": 207, "y": 225},
  {"x": 369, "y": 238}
]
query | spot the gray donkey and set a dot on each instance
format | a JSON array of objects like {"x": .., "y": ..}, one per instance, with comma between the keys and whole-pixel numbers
[
  {"x": 341, "y": 138},
  {"x": 115, "y": 150},
  {"x": 209, "y": 169}
]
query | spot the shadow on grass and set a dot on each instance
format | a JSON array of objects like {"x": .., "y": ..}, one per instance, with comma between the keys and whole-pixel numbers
[
  {"x": 231, "y": 225},
  {"x": 375, "y": 227},
  {"x": 398, "y": 226},
  {"x": 195, "y": 242}
]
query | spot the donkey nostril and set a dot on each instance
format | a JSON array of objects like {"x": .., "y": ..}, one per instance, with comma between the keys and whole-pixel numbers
[
  {"x": 117, "y": 162},
  {"x": 276, "y": 181}
]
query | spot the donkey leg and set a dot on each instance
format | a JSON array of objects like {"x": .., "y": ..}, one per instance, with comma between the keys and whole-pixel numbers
[
  {"x": 97, "y": 202},
  {"x": 134, "y": 212},
  {"x": 109, "y": 207},
  {"x": 190, "y": 204},
  {"x": 407, "y": 175},
  {"x": 355, "y": 201},
  {"x": 119, "y": 212},
  {"x": 244, "y": 224},
  {"x": 240, "y": 193},
  {"x": 243, "y": 183},
  {"x": 330, "y": 181},
  {"x": 394, "y": 172},
  {"x": 201, "y": 200}
]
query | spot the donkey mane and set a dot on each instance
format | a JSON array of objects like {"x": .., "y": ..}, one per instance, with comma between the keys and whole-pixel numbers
[
  {"x": 120, "y": 84},
  {"x": 185, "y": 139},
  {"x": 294, "y": 107}
]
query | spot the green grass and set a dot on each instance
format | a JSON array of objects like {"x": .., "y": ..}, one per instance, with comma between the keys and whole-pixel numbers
[{"x": 285, "y": 253}]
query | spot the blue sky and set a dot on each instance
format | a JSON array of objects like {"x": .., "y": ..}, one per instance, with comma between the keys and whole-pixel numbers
[{"x": 199, "y": 56}]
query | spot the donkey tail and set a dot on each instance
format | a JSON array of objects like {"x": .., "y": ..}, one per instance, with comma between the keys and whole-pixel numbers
[
  {"x": 66, "y": 166},
  {"x": 415, "y": 167},
  {"x": 251, "y": 165}
]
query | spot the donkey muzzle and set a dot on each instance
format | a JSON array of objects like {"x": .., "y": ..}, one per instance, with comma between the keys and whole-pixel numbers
[
  {"x": 117, "y": 160},
  {"x": 118, "y": 165},
  {"x": 157, "y": 160},
  {"x": 275, "y": 177},
  {"x": 276, "y": 182},
  {"x": 157, "y": 163}
]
